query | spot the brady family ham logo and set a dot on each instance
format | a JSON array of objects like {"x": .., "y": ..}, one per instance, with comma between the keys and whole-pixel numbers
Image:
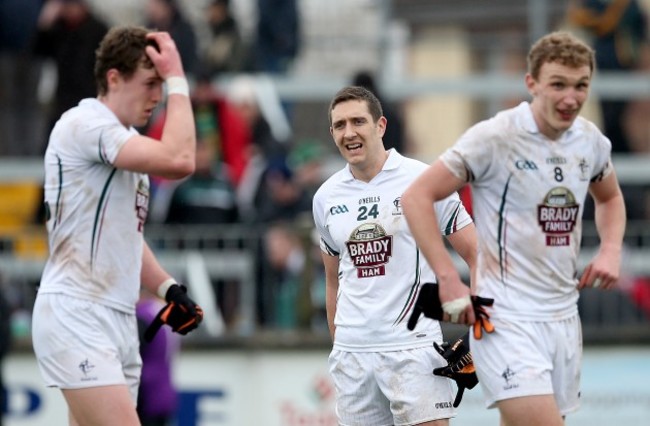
[{"x": 370, "y": 248}]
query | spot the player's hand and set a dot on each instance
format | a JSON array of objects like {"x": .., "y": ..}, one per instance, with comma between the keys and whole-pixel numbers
[
  {"x": 456, "y": 303},
  {"x": 460, "y": 365},
  {"x": 165, "y": 57},
  {"x": 180, "y": 313},
  {"x": 428, "y": 303},
  {"x": 603, "y": 271}
]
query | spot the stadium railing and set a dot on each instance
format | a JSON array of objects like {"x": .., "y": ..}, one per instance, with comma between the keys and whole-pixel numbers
[{"x": 230, "y": 254}]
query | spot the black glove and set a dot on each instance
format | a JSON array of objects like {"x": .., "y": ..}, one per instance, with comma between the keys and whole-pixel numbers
[
  {"x": 460, "y": 366},
  {"x": 180, "y": 313},
  {"x": 428, "y": 303}
]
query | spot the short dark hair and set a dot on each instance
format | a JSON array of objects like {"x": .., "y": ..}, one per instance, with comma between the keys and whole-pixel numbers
[
  {"x": 123, "y": 49},
  {"x": 357, "y": 93},
  {"x": 561, "y": 47}
]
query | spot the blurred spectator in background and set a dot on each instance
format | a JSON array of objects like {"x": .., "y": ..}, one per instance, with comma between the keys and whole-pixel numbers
[
  {"x": 166, "y": 15},
  {"x": 226, "y": 50},
  {"x": 280, "y": 197},
  {"x": 5, "y": 345},
  {"x": 157, "y": 395},
  {"x": 223, "y": 139},
  {"x": 286, "y": 256},
  {"x": 306, "y": 160},
  {"x": 205, "y": 197},
  {"x": 260, "y": 107},
  {"x": 20, "y": 118},
  {"x": 395, "y": 136},
  {"x": 17, "y": 23},
  {"x": 69, "y": 33},
  {"x": 296, "y": 279},
  {"x": 277, "y": 38},
  {"x": 619, "y": 36},
  {"x": 220, "y": 125}
]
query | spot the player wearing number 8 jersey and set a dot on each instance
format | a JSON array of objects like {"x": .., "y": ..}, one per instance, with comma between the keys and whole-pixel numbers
[
  {"x": 530, "y": 168},
  {"x": 381, "y": 370}
]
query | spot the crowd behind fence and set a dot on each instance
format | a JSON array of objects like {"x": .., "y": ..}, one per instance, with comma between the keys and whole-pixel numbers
[{"x": 226, "y": 266}]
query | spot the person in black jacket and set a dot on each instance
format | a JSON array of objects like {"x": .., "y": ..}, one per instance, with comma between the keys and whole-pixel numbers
[
  {"x": 166, "y": 15},
  {"x": 5, "y": 345},
  {"x": 278, "y": 38},
  {"x": 68, "y": 32}
]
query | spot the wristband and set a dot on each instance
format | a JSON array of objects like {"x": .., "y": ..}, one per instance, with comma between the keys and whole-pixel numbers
[
  {"x": 456, "y": 307},
  {"x": 162, "y": 288},
  {"x": 177, "y": 85}
]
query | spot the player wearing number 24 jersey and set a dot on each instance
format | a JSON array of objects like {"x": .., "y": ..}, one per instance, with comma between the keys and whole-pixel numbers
[
  {"x": 380, "y": 266},
  {"x": 382, "y": 371}
]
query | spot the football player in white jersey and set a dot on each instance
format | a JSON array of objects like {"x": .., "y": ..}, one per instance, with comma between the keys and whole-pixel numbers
[
  {"x": 530, "y": 169},
  {"x": 96, "y": 193},
  {"x": 380, "y": 369}
]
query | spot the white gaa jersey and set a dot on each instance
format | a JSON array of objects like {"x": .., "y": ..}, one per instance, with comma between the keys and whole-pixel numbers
[
  {"x": 528, "y": 196},
  {"x": 380, "y": 266},
  {"x": 96, "y": 212}
]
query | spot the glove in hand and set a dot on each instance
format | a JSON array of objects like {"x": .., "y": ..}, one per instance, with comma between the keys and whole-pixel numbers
[
  {"x": 428, "y": 303},
  {"x": 180, "y": 313},
  {"x": 460, "y": 365},
  {"x": 482, "y": 322}
]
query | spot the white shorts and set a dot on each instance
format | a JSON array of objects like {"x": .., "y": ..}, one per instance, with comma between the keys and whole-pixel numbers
[
  {"x": 390, "y": 388},
  {"x": 523, "y": 358},
  {"x": 82, "y": 344}
]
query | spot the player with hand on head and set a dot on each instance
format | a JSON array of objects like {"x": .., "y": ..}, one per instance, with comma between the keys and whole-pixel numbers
[
  {"x": 530, "y": 169},
  {"x": 85, "y": 333},
  {"x": 373, "y": 271}
]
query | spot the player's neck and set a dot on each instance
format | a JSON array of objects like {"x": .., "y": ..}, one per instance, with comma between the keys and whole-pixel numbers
[{"x": 366, "y": 172}]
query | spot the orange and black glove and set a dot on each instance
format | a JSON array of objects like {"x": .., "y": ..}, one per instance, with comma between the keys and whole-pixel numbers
[
  {"x": 460, "y": 365},
  {"x": 180, "y": 313},
  {"x": 482, "y": 322}
]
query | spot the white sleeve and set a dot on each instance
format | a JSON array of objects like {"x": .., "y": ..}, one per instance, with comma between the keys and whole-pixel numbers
[
  {"x": 472, "y": 155},
  {"x": 451, "y": 214},
  {"x": 103, "y": 139},
  {"x": 327, "y": 244}
]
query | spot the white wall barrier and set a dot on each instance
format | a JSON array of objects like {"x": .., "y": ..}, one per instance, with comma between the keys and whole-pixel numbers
[{"x": 292, "y": 388}]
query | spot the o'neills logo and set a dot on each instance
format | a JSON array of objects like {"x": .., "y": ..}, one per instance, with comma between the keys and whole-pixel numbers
[
  {"x": 370, "y": 248},
  {"x": 558, "y": 216}
]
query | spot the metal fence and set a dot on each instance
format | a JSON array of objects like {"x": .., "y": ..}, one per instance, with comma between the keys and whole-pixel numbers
[{"x": 225, "y": 266}]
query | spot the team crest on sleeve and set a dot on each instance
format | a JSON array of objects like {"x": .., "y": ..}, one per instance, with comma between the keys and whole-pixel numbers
[
  {"x": 370, "y": 248},
  {"x": 558, "y": 215}
]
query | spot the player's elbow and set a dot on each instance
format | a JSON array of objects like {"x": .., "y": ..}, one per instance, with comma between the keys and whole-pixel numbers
[{"x": 181, "y": 167}]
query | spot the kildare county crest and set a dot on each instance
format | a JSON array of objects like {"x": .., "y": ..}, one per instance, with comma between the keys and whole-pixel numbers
[{"x": 370, "y": 248}]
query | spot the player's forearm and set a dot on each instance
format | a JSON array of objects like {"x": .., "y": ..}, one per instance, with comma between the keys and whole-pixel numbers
[
  {"x": 179, "y": 134},
  {"x": 465, "y": 242},
  {"x": 152, "y": 273},
  {"x": 610, "y": 219},
  {"x": 331, "y": 291},
  {"x": 330, "y": 307}
]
